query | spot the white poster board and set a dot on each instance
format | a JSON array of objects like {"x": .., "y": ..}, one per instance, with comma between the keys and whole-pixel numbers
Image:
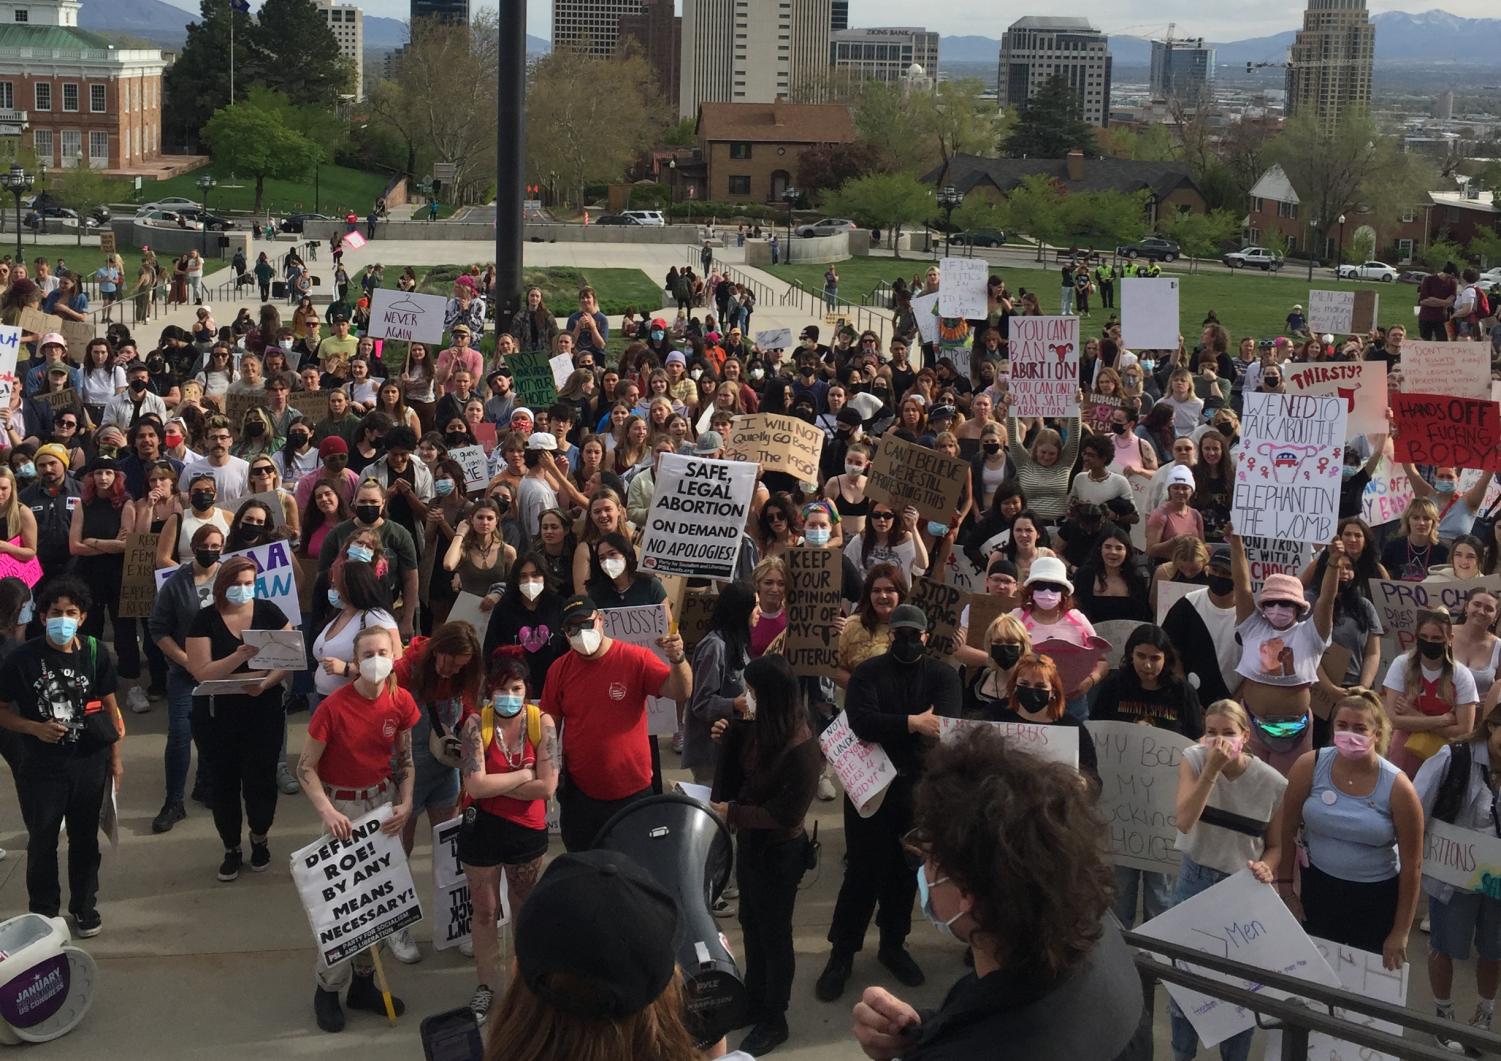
[
  {"x": 562, "y": 368},
  {"x": 962, "y": 292},
  {"x": 770, "y": 339},
  {"x": 1139, "y": 792},
  {"x": 1361, "y": 385},
  {"x": 1467, "y": 859},
  {"x": 467, "y": 608},
  {"x": 406, "y": 315},
  {"x": 475, "y": 464},
  {"x": 864, "y": 769},
  {"x": 1054, "y": 744},
  {"x": 279, "y": 650},
  {"x": 925, "y": 309},
  {"x": 1388, "y": 493},
  {"x": 642, "y": 625},
  {"x": 1362, "y": 973},
  {"x": 1149, "y": 312},
  {"x": 1288, "y": 477},
  {"x": 1044, "y": 366},
  {"x": 1460, "y": 370},
  {"x": 10, "y": 348},
  {"x": 275, "y": 577},
  {"x": 453, "y": 909},
  {"x": 358, "y": 891},
  {"x": 697, "y": 516}
]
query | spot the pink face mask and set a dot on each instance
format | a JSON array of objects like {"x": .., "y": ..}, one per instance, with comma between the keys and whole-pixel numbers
[
  {"x": 1233, "y": 745},
  {"x": 1046, "y": 599},
  {"x": 1352, "y": 745}
]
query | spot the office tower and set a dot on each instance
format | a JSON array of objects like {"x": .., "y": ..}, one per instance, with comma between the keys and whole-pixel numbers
[
  {"x": 348, "y": 24},
  {"x": 883, "y": 53},
  {"x": 1182, "y": 70},
  {"x": 658, "y": 34},
  {"x": 442, "y": 10},
  {"x": 735, "y": 52},
  {"x": 1036, "y": 47},
  {"x": 1329, "y": 64},
  {"x": 591, "y": 26},
  {"x": 839, "y": 15}
]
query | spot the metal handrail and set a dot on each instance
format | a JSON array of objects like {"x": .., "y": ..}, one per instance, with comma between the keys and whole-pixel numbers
[{"x": 1312, "y": 1008}]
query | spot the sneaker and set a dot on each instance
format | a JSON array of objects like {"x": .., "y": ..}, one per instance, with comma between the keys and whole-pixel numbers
[
  {"x": 677, "y": 742},
  {"x": 229, "y": 869},
  {"x": 826, "y": 789},
  {"x": 466, "y": 947},
  {"x": 730, "y": 891},
  {"x": 88, "y": 924},
  {"x": 3, "y": 853},
  {"x": 404, "y": 947},
  {"x": 260, "y": 856},
  {"x": 1481, "y": 1021},
  {"x": 481, "y": 1001},
  {"x": 366, "y": 997},
  {"x": 831, "y": 981},
  {"x": 765, "y": 1037},
  {"x": 1424, "y": 925},
  {"x": 328, "y": 1011},
  {"x": 901, "y": 965},
  {"x": 136, "y": 700},
  {"x": 285, "y": 781},
  {"x": 170, "y": 814},
  {"x": 722, "y": 908}
]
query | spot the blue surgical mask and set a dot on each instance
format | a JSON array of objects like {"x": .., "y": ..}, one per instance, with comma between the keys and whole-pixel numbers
[
  {"x": 444, "y": 487},
  {"x": 1445, "y": 486},
  {"x": 27, "y": 470},
  {"x": 936, "y": 529},
  {"x": 60, "y": 629},
  {"x": 334, "y": 598},
  {"x": 361, "y": 554},
  {"x": 1347, "y": 471},
  {"x": 818, "y": 535},
  {"x": 28, "y": 613},
  {"x": 508, "y": 705},
  {"x": 925, "y": 898},
  {"x": 238, "y": 594}
]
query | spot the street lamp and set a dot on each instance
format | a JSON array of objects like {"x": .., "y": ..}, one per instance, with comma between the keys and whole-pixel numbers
[
  {"x": 789, "y": 196},
  {"x": 672, "y": 181},
  {"x": 19, "y": 183},
  {"x": 1339, "y": 253},
  {"x": 205, "y": 182},
  {"x": 949, "y": 198},
  {"x": 1313, "y": 226}
]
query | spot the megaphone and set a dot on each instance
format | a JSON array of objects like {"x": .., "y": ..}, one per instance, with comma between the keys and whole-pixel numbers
[
  {"x": 686, "y": 849},
  {"x": 45, "y": 985}
]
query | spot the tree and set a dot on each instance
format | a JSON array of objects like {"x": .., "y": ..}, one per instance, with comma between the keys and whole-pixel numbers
[
  {"x": 885, "y": 201},
  {"x": 824, "y": 167},
  {"x": 983, "y": 208},
  {"x": 254, "y": 140},
  {"x": 300, "y": 54},
  {"x": 1037, "y": 204},
  {"x": 82, "y": 189},
  {"x": 914, "y": 130},
  {"x": 197, "y": 82},
  {"x": 1439, "y": 253},
  {"x": 1485, "y": 247},
  {"x": 1153, "y": 144},
  {"x": 683, "y": 133},
  {"x": 1051, "y": 124},
  {"x": 1201, "y": 235},
  {"x": 1105, "y": 218}
]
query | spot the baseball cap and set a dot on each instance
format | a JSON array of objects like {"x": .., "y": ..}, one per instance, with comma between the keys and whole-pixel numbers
[
  {"x": 577, "y": 608},
  {"x": 848, "y": 416},
  {"x": 59, "y": 369},
  {"x": 341, "y": 318},
  {"x": 331, "y": 445},
  {"x": 597, "y": 919},
  {"x": 708, "y": 442},
  {"x": 459, "y": 329},
  {"x": 909, "y": 617},
  {"x": 1219, "y": 556},
  {"x": 541, "y": 440}
]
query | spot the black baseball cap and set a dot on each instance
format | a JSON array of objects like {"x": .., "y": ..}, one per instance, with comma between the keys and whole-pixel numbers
[{"x": 578, "y": 608}]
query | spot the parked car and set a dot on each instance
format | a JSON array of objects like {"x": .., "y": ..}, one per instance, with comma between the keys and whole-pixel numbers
[
  {"x": 618, "y": 219},
  {"x": 1491, "y": 277},
  {"x": 294, "y": 222},
  {"x": 57, "y": 217},
  {"x": 166, "y": 219},
  {"x": 1368, "y": 271},
  {"x": 215, "y": 222},
  {"x": 646, "y": 217},
  {"x": 1413, "y": 276},
  {"x": 828, "y": 226},
  {"x": 1253, "y": 258},
  {"x": 48, "y": 205},
  {"x": 980, "y": 237},
  {"x": 1153, "y": 248},
  {"x": 172, "y": 202}
]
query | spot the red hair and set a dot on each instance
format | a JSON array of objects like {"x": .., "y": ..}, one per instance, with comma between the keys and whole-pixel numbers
[
  {"x": 1049, "y": 674},
  {"x": 117, "y": 496}
]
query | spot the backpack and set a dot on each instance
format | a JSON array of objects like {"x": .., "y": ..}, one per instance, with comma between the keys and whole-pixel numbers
[
  {"x": 1454, "y": 784},
  {"x": 533, "y": 725},
  {"x": 1482, "y": 304}
]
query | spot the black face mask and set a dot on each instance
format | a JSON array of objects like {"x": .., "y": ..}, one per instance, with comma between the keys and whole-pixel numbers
[
  {"x": 139, "y": 385},
  {"x": 299, "y": 438},
  {"x": 1431, "y": 649},
  {"x": 250, "y": 534},
  {"x": 1220, "y": 585},
  {"x": 907, "y": 647},
  {"x": 1119, "y": 429},
  {"x": 255, "y": 429},
  {"x": 156, "y": 368},
  {"x": 1006, "y": 655},
  {"x": 206, "y": 557},
  {"x": 367, "y": 513},
  {"x": 991, "y": 447},
  {"x": 502, "y": 504},
  {"x": 202, "y": 500},
  {"x": 1227, "y": 430},
  {"x": 1033, "y": 700},
  {"x": 456, "y": 439}
]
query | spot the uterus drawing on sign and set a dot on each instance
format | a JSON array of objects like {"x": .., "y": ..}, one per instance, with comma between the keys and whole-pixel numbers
[
  {"x": 1061, "y": 350},
  {"x": 1285, "y": 460}
]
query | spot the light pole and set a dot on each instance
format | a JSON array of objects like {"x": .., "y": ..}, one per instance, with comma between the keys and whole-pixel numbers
[
  {"x": 1339, "y": 252},
  {"x": 205, "y": 182},
  {"x": 672, "y": 182},
  {"x": 949, "y": 199},
  {"x": 790, "y": 194},
  {"x": 19, "y": 183},
  {"x": 1313, "y": 226}
]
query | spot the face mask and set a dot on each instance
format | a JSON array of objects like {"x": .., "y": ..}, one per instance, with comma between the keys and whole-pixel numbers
[
  {"x": 367, "y": 513},
  {"x": 991, "y": 447},
  {"x": 585, "y": 642},
  {"x": 818, "y": 535},
  {"x": 173, "y": 440},
  {"x": 203, "y": 500},
  {"x": 361, "y": 554},
  {"x": 455, "y": 439},
  {"x": 250, "y": 533},
  {"x": 60, "y": 630},
  {"x": 1148, "y": 364},
  {"x": 444, "y": 487},
  {"x": 1047, "y": 599},
  {"x": 1033, "y": 700},
  {"x": 1352, "y": 745},
  {"x": 508, "y": 705},
  {"x": 255, "y": 429},
  {"x": 907, "y": 647},
  {"x": 299, "y": 438},
  {"x": 657, "y": 335},
  {"x": 375, "y": 669},
  {"x": 240, "y": 594},
  {"x": 1431, "y": 649},
  {"x": 1282, "y": 735},
  {"x": 854, "y": 471},
  {"x": 334, "y": 598},
  {"x": 1280, "y": 616},
  {"x": 531, "y": 588},
  {"x": 757, "y": 373},
  {"x": 285, "y": 344},
  {"x": 1234, "y": 744},
  {"x": 1005, "y": 655},
  {"x": 696, "y": 373},
  {"x": 1119, "y": 429},
  {"x": 614, "y": 567},
  {"x": 139, "y": 385},
  {"x": 1220, "y": 585},
  {"x": 937, "y": 530},
  {"x": 27, "y": 471},
  {"x": 1445, "y": 486},
  {"x": 925, "y": 899},
  {"x": 1348, "y": 471},
  {"x": 28, "y": 613}
]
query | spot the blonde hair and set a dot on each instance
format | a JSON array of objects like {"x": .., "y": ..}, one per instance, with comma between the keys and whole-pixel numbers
[
  {"x": 1427, "y": 506},
  {"x": 1048, "y": 437},
  {"x": 1007, "y": 625},
  {"x": 1363, "y": 699},
  {"x": 1232, "y": 710},
  {"x": 11, "y": 512},
  {"x": 766, "y": 567},
  {"x": 1190, "y": 550},
  {"x": 389, "y": 685}
]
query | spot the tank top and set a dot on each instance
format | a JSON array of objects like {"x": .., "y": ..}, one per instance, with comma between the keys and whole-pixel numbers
[
  {"x": 1351, "y": 837},
  {"x": 189, "y": 527},
  {"x": 1485, "y": 676},
  {"x": 528, "y": 813},
  {"x": 846, "y": 507},
  {"x": 100, "y": 520},
  {"x": 478, "y": 580},
  {"x": 1232, "y": 829}
]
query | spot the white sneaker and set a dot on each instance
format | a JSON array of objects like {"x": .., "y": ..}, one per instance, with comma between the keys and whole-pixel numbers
[
  {"x": 826, "y": 790},
  {"x": 285, "y": 781},
  {"x": 1424, "y": 925},
  {"x": 136, "y": 700},
  {"x": 466, "y": 947},
  {"x": 404, "y": 947},
  {"x": 3, "y": 853}
]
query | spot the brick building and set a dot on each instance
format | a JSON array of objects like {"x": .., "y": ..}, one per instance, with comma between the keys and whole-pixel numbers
[
  {"x": 77, "y": 99},
  {"x": 750, "y": 151}
]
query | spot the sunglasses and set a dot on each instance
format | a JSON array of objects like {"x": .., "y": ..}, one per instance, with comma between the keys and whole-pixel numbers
[{"x": 883, "y": 515}]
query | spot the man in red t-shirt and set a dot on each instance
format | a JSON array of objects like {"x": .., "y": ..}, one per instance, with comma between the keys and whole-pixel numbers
[{"x": 597, "y": 693}]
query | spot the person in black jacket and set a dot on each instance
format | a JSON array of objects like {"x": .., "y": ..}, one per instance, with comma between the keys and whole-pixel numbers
[
  {"x": 1201, "y": 626},
  {"x": 893, "y": 700},
  {"x": 1012, "y": 866}
]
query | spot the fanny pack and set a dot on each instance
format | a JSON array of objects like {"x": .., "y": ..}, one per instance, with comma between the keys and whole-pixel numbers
[{"x": 1283, "y": 734}]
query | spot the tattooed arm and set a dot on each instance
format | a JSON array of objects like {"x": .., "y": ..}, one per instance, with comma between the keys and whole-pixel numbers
[
  {"x": 547, "y": 765},
  {"x": 482, "y": 785},
  {"x": 307, "y": 776},
  {"x": 404, "y": 776}
]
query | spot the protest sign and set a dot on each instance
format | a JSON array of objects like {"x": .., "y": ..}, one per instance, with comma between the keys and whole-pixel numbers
[
  {"x": 1440, "y": 430},
  {"x": 229, "y": 687},
  {"x": 1044, "y": 366},
  {"x": 774, "y": 339},
  {"x": 1271, "y": 556},
  {"x": 107, "y": 242},
  {"x": 1170, "y": 593},
  {"x": 28, "y": 571},
  {"x": 272, "y": 500},
  {"x": 864, "y": 769},
  {"x": 275, "y": 577},
  {"x": 1054, "y": 744},
  {"x": 10, "y": 348},
  {"x": 67, "y": 398},
  {"x": 34, "y": 320},
  {"x": 925, "y": 309},
  {"x": 963, "y": 291},
  {"x": 352, "y": 241},
  {"x": 562, "y": 368},
  {"x": 697, "y": 516},
  {"x": 1343, "y": 312},
  {"x": 1361, "y": 385},
  {"x": 485, "y": 434},
  {"x": 358, "y": 891},
  {"x": 238, "y": 403},
  {"x": 942, "y": 605},
  {"x": 475, "y": 464},
  {"x": 1099, "y": 408},
  {"x": 1149, "y": 312},
  {"x": 78, "y": 335},
  {"x": 1460, "y": 370},
  {"x": 1287, "y": 482},
  {"x": 1074, "y": 661},
  {"x": 1141, "y": 498},
  {"x": 642, "y": 625},
  {"x": 453, "y": 908},
  {"x": 406, "y": 316},
  {"x": 1363, "y": 973},
  {"x": 278, "y": 650},
  {"x": 1388, "y": 493},
  {"x": 1138, "y": 792},
  {"x": 1332, "y": 665},
  {"x": 1118, "y": 632},
  {"x": 904, "y": 473},
  {"x": 1398, "y": 603},
  {"x": 777, "y": 444},
  {"x": 1243, "y": 920},
  {"x": 983, "y": 609},
  {"x": 531, "y": 379},
  {"x": 467, "y": 609},
  {"x": 1468, "y": 859},
  {"x": 813, "y": 607},
  {"x": 137, "y": 587},
  {"x": 695, "y": 616}
]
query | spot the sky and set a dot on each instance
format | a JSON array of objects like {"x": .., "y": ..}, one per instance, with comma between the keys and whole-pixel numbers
[{"x": 1144, "y": 18}]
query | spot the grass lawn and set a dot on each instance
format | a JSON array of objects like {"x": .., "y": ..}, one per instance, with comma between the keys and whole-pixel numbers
[
  {"x": 82, "y": 260},
  {"x": 1247, "y": 303},
  {"x": 339, "y": 189},
  {"x": 618, "y": 289}
]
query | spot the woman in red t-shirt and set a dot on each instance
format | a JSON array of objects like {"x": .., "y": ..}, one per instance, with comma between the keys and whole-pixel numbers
[{"x": 507, "y": 783}]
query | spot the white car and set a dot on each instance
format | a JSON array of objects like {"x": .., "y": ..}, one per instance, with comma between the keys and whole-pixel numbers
[
  {"x": 167, "y": 219},
  {"x": 646, "y": 217},
  {"x": 173, "y": 202},
  {"x": 827, "y": 226},
  {"x": 1491, "y": 277},
  {"x": 1369, "y": 271},
  {"x": 1253, "y": 258}
]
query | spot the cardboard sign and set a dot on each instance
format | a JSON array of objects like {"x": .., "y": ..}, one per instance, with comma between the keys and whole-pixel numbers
[
  {"x": 137, "y": 587},
  {"x": 1117, "y": 632},
  {"x": 1460, "y": 370},
  {"x": 1466, "y": 858},
  {"x": 1149, "y": 312},
  {"x": 813, "y": 607},
  {"x": 10, "y": 348},
  {"x": 1333, "y": 665},
  {"x": 531, "y": 378},
  {"x": 696, "y": 522},
  {"x": 107, "y": 242},
  {"x": 358, "y": 891},
  {"x": 406, "y": 316},
  {"x": 774, "y": 339},
  {"x": 642, "y": 626},
  {"x": 963, "y": 291},
  {"x": 1361, "y": 385},
  {"x": 942, "y": 604},
  {"x": 1343, "y": 312},
  {"x": 1045, "y": 366},
  {"x": 1054, "y": 744},
  {"x": 1170, "y": 593},
  {"x": 984, "y": 608},
  {"x": 1440, "y": 430},
  {"x": 238, "y": 403},
  {"x": 67, "y": 398},
  {"x": 279, "y": 650},
  {"x": 904, "y": 473},
  {"x": 34, "y": 320},
  {"x": 275, "y": 577},
  {"x": 1098, "y": 409},
  {"x": 777, "y": 444},
  {"x": 1243, "y": 920},
  {"x": 475, "y": 464},
  {"x": 1398, "y": 603},
  {"x": 1270, "y": 556},
  {"x": 1287, "y": 481},
  {"x": 1388, "y": 493},
  {"x": 562, "y": 368},
  {"x": 925, "y": 309},
  {"x": 865, "y": 770},
  {"x": 1139, "y": 792},
  {"x": 78, "y": 335}
]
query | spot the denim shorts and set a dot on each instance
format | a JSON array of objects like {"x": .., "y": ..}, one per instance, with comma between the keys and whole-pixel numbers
[
  {"x": 435, "y": 785},
  {"x": 1466, "y": 916}
]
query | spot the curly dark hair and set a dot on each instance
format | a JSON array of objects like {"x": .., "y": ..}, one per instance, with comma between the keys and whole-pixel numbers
[{"x": 1029, "y": 848}]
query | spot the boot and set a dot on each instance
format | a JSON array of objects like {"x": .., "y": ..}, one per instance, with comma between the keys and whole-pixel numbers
[
  {"x": 326, "y": 1007},
  {"x": 768, "y": 1034},
  {"x": 365, "y": 996}
]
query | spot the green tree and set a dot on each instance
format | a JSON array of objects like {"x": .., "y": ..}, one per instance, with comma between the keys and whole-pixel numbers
[
  {"x": 886, "y": 201},
  {"x": 1037, "y": 205},
  {"x": 681, "y": 134},
  {"x": 983, "y": 209},
  {"x": 1485, "y": 247},
  {"x": 1201, "y": 235},
  {"x": 1439, "y": 253},
  {"x": 913, "y": 131},
  {"x": 1153, "y": 144},
  {"x": 824, "y": 167},
  {"x": 82, "y": 189},
  {"x": 1051, "y": 124},
  {"x": 300, "y": 54},
  {"x": 1102, "y": 218},
  {"x": 255, "y": 141},
  {"x": 197, "y": 82}
]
